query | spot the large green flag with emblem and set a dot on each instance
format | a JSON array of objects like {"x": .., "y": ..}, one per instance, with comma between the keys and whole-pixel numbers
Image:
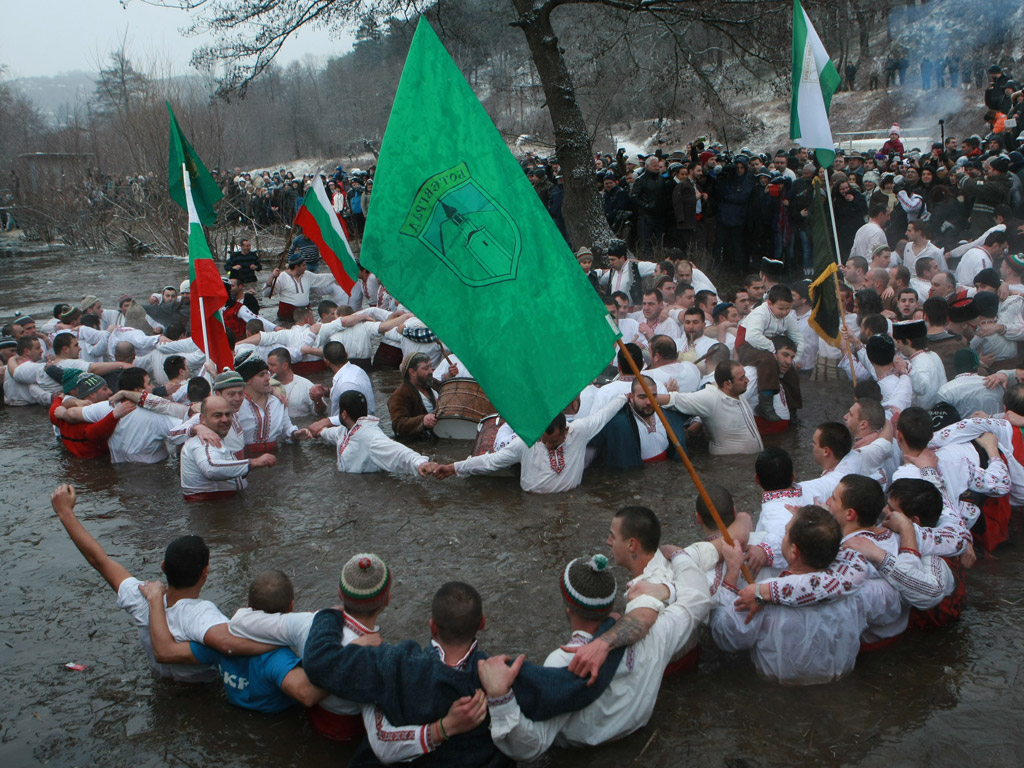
[{"x": 458, "y": 235}]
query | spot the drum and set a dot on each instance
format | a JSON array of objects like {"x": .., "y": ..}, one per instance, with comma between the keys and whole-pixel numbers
[
  {"x": 461, "y": 404},
  {"x": 387, "y": 356},
  {"x": 487, "y": 430}
]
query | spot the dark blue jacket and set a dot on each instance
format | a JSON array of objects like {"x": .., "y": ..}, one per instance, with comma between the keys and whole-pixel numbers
[
  {"x": 618, "y": 444},
  {"x": 413, "y": 686},
  {"x": 733, "y": 197}
]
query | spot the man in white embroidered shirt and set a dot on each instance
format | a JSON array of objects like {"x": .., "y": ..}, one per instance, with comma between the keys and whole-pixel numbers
[
  {"x": 211, "y": 472},
  {"x": 554, "y": 463},
  {"x": 794, "y": 646},
  {"x": 588, "y": 589},
  {"x": 726, "y": 415},
  {"x": 362, "y": 447}
]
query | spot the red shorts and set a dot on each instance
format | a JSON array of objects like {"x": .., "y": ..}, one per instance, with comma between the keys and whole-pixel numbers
[{"x": 336, "y": 727}]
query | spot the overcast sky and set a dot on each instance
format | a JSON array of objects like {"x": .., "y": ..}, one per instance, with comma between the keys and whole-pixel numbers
[{"x": 46, "y": 37}]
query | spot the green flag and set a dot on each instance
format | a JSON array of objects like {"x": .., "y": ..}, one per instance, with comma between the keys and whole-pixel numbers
[
  {"x": 458, "y": 235},
  {"x": 205, "y": 191},
  {"x": 825, "y": 312}
]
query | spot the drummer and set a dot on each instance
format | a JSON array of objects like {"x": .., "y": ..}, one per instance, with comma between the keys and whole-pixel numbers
[{"x": 413, "y": 404}]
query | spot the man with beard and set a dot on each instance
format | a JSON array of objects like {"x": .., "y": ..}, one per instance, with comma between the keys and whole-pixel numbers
[{"x": 635, "y": 436}]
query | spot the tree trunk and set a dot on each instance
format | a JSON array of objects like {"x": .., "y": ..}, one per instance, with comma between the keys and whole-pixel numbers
[
  {"x": 864, "y": 37},
  {"x": 581, "y": 208}
]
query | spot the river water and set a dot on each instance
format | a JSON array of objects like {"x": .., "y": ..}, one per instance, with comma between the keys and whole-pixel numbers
[{"x": 950, "y": 697}]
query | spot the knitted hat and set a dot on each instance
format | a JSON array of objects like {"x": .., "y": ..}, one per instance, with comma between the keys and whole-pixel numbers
[
  {"x": 881, "y": 349},
  {"x": 8, "y": 342},
  {"x": 878, "y": 249},
  {"x": 248, "y": 364},
  {"x": 584, "y": 252},
  {"x": 88, "y": 301},
  {"x": 965, "y": 361},
  {"x": 70, "y": 314},
  {"x": 988, "y": 277},
  {"x": 365, "y": 582},
  {"x": 909, "y": 329},
  {"x": 589, "y": 587},
  {"x": 962, "y": 310},
  {"x": 1000, "y": 164},
  {"x": 184, "y": 286},
  {"x": 69, "y": 379},
  {"x": 295, "y": 258},
  {"x": 987, "y": 303},
  {"x": 721, "y": 308},
  {"x": 873, "y": 177},
  {"x": 123, "y": 298},
  {"x": 24, "y": 320},
  {"x": 895, "y": 129},
  {"x": 1015, "y": 260},
  {"x": 227, "y": 380}
]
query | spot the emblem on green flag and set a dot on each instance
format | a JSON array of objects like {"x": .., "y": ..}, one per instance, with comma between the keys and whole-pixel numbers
[
  {"x": 461, "y": 238},
  {"x": 465, "y": 227}
]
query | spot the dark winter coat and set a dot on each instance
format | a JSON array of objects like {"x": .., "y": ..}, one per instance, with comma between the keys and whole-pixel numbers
[{"x": 733, "y": 192}]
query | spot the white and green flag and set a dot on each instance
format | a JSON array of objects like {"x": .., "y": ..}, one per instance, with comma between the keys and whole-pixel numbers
[{"x": 815, "y": 79}]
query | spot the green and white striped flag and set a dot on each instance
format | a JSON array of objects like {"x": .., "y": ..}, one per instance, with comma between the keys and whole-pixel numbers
[{"x": 815, "y": 79}]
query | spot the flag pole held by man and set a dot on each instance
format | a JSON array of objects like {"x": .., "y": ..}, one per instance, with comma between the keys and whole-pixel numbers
[
  {"x": 462, "y": 240},
  {"x": 815, "y": 80}
]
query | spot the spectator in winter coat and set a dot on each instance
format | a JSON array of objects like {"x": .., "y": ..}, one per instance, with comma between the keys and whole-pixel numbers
[
  {"x": 733, "y": 192},
  {"x": 851, "y": 211}
]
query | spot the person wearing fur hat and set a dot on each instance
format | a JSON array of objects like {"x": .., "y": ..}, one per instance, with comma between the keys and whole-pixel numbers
[
  {"x": 264, "y": 418},
  {"x": 588, "y": 593},
  {"x": 927, "y": 372},
  {"x": 897, "y": 389}
]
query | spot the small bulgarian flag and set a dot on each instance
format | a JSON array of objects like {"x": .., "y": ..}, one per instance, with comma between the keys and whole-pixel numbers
[{"x": 321, "y": 224}]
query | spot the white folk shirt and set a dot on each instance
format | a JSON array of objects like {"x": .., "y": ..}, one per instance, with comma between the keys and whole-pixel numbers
[
  {"x": 22, "y": 387},
  {"x": 817, "y": 490},
  {"x": 687, "y": 375},
  {"x": 897, "y": 391},
  {"x": 629, "y": 700},
  {"x": 798, "y": 646},
  {"x": 295, "y": 290},
  {"x": 188, "y": 620},
  {"x": 967, "y": 393},
  {"x": 774, "y": 518},
  {"x": 352, "y": 377},
  {"x": 622, "y": 279},
  {"x": 653, "y": 438},
  {"x": 971, "y": 264},
  {"x": 205, "y": 469},
  {"x": 615, "y": 389},
  {"x": 93, "y": 344},
  {"x": 997, "y": 345},
  {"x": 411, "y": 346},
  {"x": 294, "y": 339},
  {"x": 927, "y": 375},
  {"x": 809, "y": 357},
  {"x": 930, "y": 251},
  {"x": 292, "y": 630},
  {"x": 47, "y": 384},
  {"x": 365, "y": 448},
  {"x": 269, "y": 423},
  {"x": 143, "y": 342},
  {"x": 868, "y": 237},
  {"x": 357, "y": 339},
  {"x": 300, "y": 404},
  {"x": 545, "y": 471},
  {"x": 139, "y": 438},
  {"x": 761, "y": 325},
  {"x": 729, "y": 420}
]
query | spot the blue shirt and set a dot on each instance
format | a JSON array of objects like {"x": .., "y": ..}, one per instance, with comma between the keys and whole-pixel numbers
[{"x": 252, "y": 682}]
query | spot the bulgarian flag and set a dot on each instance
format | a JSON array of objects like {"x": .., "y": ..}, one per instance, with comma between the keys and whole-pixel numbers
[
  {"x": 321, "y": 224},
  {"x": 206, "y": 289},
  {"x": 815, "y": 79}
]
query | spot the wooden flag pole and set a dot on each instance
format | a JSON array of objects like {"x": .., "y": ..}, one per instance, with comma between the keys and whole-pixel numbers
[
  {"x": 284, "y": 255},
  {"x": 674, "y": 441},
  {"x": 839, "y": 264}
]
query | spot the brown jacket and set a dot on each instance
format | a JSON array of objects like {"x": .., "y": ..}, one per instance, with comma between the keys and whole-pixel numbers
[{"x": 407, "y": 411}]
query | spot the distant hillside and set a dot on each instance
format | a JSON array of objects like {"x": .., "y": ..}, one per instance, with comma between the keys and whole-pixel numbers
[{"x": 50, "y": 94}]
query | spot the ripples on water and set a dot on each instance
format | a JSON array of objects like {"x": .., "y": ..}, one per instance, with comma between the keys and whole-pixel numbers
[{"x": 944, "y": 698}]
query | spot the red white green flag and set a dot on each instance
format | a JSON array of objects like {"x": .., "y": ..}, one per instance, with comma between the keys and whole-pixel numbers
[
  {"x": 322, "y": 225},
  {"x": 207, "y": 293}
]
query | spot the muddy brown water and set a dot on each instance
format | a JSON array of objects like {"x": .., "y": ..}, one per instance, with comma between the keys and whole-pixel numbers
[{"x": 949, "y": 697}]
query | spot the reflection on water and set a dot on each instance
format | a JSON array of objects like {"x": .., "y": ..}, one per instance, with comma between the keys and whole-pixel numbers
[{"x": 934, "y": 699}]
